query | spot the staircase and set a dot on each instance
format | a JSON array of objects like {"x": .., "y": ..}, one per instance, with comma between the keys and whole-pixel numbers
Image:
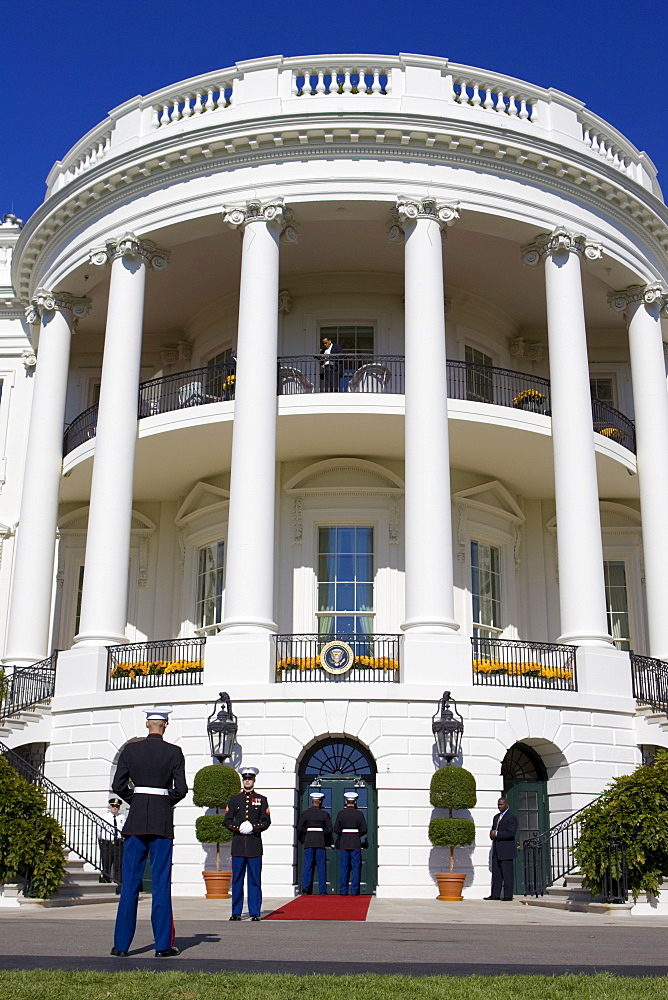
[
  {"x": 78, "y": 887},
  {"x": 29, "y": 692},
  {"x": 574, "y": 896}
]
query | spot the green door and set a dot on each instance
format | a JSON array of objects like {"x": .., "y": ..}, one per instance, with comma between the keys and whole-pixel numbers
[
  {"x": 528, "y": 800},
  {"x": 333, "y": 790}
]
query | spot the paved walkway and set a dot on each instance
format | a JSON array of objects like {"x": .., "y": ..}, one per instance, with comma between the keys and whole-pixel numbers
[{"x": 413, "y": 937}]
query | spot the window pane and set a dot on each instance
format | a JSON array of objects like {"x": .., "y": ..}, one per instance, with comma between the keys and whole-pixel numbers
[
  {"x": 345, "y": 578},
  {"x": 209, "y": 605},
  {"x": 345, "y": 539},
  {"x": 616, "y": 599},
  {"x": 485, "y": 588},
  {"x": 352, "y": 338}
]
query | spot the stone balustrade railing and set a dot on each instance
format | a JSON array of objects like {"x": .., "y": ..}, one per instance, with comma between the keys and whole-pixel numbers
[{"x": 262, "y": 88}]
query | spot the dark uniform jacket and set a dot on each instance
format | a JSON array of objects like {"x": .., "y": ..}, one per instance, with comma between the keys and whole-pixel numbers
[
  {"x": 253, "y": 807},
  {"x": 314, "y": 827},
  {"x": 504, "y": 842},
  {"x": 350, "y": 819},
  {"x": 153, "y": 763}
]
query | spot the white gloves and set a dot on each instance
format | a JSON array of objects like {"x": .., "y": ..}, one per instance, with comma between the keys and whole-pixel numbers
[{"x": 246, "y": 827}]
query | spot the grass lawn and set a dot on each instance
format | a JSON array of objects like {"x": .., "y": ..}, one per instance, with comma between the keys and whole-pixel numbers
[{"x": 46, "y": 985}]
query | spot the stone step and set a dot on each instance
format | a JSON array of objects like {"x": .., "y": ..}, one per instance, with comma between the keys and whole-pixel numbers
[{"x": 559, "y": 903}]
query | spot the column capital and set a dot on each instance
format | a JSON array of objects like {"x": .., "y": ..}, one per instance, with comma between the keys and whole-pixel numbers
[
  {"x": 129, "y": 245},
  {"x": 560, "y": 240},
  {"x": 274, "y": 212},
  {"x": 44, "y": 301},
  {"x": 654, "y": 294},
  {"x": 410, "y": 209}
]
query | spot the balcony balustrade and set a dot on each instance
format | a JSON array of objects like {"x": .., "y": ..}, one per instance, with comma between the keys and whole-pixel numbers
[
  {"x": 352, "y": 373},
  {"x": 514, "y": 663},
  {"x": 337, "y": 658},
  {"x": 166, "y": 663},
  {"x": 650, "y": 682}
]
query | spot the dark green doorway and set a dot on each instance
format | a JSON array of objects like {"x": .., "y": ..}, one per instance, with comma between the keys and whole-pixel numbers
[
  {"x": 335, "y": 767},
  {"x": 525, "y": 786}
]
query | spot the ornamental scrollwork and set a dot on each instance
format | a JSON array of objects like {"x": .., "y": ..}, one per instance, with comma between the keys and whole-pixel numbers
[
  {"x": 131, "y": 246},
  {"x": 654, "y": 294},
  {"x": 409, "y": 210},
  {"x": 239, "y": 216},
  {"x": 560, "y": 241},
  {"x": 29, "y": 358},
  {"x": 44, "y": 301}
]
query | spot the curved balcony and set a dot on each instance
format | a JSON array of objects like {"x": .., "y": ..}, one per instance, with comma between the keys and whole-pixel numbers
[{"x": 352, "y": 373}]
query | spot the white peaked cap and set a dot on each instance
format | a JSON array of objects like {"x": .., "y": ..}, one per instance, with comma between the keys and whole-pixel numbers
[
  {"x": 157, "y": 714},
  {"x": 317, "y": 795},
  {"x": 250, "y": 770},
  {"x": 350, "y": 795}
]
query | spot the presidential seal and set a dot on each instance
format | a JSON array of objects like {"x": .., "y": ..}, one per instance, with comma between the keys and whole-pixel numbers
[{"x": 336, "y": 657}]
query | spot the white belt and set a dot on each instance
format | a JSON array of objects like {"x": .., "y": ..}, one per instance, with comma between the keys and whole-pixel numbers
[
  {"x": 350, "y": 831},
  {"x": 147, "y": 790},
  {"x": 314, "y": 829}
]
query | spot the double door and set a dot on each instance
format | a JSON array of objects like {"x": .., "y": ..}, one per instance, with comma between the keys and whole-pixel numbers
[{"x": 333, "y": 790}]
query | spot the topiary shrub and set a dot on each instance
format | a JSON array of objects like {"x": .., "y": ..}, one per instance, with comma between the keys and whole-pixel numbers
[
  {"x": 31, "y": 842},
  {"x": 452, "y": 788},
  {"x": 633, "y": 809},
  {"x": 212, "y": 788}
]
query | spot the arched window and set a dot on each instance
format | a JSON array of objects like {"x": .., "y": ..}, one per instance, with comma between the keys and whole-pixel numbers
[
  {"x": 522, "y": 763},
  {"x": 337, "y": 757}
]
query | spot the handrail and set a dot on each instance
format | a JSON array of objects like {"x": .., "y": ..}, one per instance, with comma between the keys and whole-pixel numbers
[
  {"x": 353, "y": 373},
  {"x": 649, "y": 678},
  {"x": 550, "y": 856},
  {"x": 82, "y": 828},
  {"x": 29, "y": 686}
]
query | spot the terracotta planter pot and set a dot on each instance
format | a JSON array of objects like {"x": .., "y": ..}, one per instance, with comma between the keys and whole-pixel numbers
[
  {"x": 450, "y": 885},
  {"x": 217, "y": 884}
]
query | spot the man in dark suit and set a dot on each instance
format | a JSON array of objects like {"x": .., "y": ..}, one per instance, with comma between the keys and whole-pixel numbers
[
  {"x": 330, "y": 370},
  {"x": 502, "y": 835},
  {"x": 314, "y": 829},
  {"x": 158, "y": 774},
  {"x": 247, "y": 816}
]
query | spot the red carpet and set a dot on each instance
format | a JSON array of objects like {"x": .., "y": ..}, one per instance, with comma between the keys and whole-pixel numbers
[{"x": 323, "y": 908}]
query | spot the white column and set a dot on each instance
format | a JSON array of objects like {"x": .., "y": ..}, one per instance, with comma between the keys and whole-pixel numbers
[
  {"x": 579, "y": 544},
  {"x": 428, "y": 533},
  {"x": 643, "y": 305},
  {"x": 105, "y": 585},
  {"x": 249, "y": 571},
  {"x": 32, "y": 584}
]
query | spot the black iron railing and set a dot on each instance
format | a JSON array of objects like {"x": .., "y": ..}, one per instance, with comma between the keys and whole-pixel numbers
[
  {"x": 82, "y": 828},
  {"x": 352, "y": 373},
  {"x": 307, "y": 373},
  {"x": 28, "y": 687},
  {"x": 649, "y": 679},
  {"x": 515, "y": 663},
  {"x": 550, "y": 856},
  {"x": 164, "y": 663},
  {"x": 370, "y": 658}
]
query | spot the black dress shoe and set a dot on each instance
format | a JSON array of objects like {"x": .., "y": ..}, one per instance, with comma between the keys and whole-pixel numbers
[
  {"x": 235, "y": 917},
  {"x": 255, "y": 918},
  {"x": 491, "y": 897},
  {"x": 118, "y": 954},
  {"x": 167, "y": 953}
]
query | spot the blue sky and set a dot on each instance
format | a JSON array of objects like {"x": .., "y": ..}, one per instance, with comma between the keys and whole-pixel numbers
[{"x": 64, "y": 66}]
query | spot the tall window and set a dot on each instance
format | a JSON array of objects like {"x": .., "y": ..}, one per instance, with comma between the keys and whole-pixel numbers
[
  {"x": 603, "y": 389},
  {"x": 345, "y": 580},
  {"x": 486, "y": 590},
  {"x": 353, "y": 339},
  {"x": 209, "y": 585},
  {"x": 617, "y": 603},
  {"x": 479, "y": 383},
  {"x": 218, "y": 369},
  {"x": 77, "y": 608}
]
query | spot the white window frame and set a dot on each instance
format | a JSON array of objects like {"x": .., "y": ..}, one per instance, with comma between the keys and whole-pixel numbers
[
  {"x": 195, "y": 540},
  {"x": 504, "y": 541},
  {"x": 620, "y": 374},
  {"x": 629, "y": 554},
  {"x": 214, "y": 627}
]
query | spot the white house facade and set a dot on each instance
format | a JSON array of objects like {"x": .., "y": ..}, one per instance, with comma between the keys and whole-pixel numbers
[{"x": 469, "y": 496}]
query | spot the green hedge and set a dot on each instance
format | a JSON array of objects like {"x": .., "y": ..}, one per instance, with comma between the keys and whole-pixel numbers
[
  {"x": 214, "y": 785},
  {"x": 452, "y": 788},
  {"x": 211, "y": 830},
  {"x": 29, "y": 838},
  {"x": 444, "y": 832}
]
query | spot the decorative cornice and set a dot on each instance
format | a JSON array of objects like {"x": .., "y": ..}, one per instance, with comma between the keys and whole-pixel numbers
[
  {"x": 519, "y": 348},
  {"x": 170, "y": 354},
  {"x": 129, "y": 245},
  {"x": 408, "y": 210},
  {"x": 44, "y": 301},
  {"x": 654, "y": 294},
  {"x": 560, "y": 241},
  {"x": 273, "y": 212}
]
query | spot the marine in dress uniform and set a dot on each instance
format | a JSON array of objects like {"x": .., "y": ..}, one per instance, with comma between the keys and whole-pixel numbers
[
  {"x": 247, "y": 816},
  {"x": 158, "y": 775},
  {"x": 350, "y": 827},
  {"x": 314, "y": 829},
  {"x": 111, "y": 851},
  {"x": 504, "y": 849}
]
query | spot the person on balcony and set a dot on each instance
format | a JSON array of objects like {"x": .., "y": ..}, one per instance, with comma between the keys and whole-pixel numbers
[
  {"x": 330, "y": 370},
  {"x": 314, "y": 829},
  {"x": 247, "y": 816},
  {"x": 350, "y": 828},
  {"x": 502, "y": 835},
  {"x": 157, "y": 771}
]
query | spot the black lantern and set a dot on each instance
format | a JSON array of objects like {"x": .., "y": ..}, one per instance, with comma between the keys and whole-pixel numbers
[
  {"x": 447, "y": 729},
  {"x": 222, "y": 729}
]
